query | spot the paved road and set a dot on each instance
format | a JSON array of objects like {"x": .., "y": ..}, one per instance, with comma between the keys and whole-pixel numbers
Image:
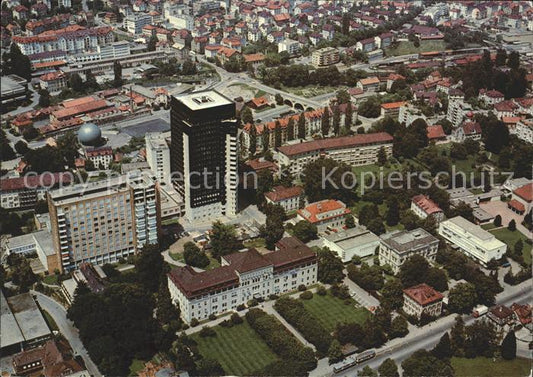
[
  {"x": 427, "y": 336},
  {"x": 31, "y": 106},
  {"x": 66, "y": 327},
  {"x": 360, "y": 295}
]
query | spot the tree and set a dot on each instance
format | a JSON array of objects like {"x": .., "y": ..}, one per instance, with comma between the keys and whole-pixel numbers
[
  {"x": 409, "y": 220},
  {"x": 443, "y": 349},
  {"x": 166, "y": 311},
  {"x": 90, "y": 80},
  {"x": 437, "y": 279},
  {"x": 518, "y": 247},
  {"x": 253, "y": 140},
  {"x": 423, "y": 363},
  {"x": 149, "y": 264},
  {"x": 371, "y": 108},
  {"x": 348, "y": 118},
  {"x": 290, "y": 129},
  {"x": 337, "y": 184},
  {"x": 498, "y": 221},
  {"x": 336, "y": 124},
  {"x": 513, "y": 61},
  {"x": 393, "y": 212},
  {"x": 305, "y": 231},
  {"x": 277, "y": 134},
  {"x": 370, "y": 278},
  {"x": 223, "y": 239},
  {"x": 6, "y": 152},
  {"x": 330, "y": 267},
  {"x": 399, "y": 327},
  {"x": 367, "y": 213},
  {"x": 152, "y": 42},
  {"x": 273, "y": 229},
  {"x": 343, "y": 96},
  {"x": 457, "y": 337},
  {"x": 279, "y": 99},
  {"x": 334, "y": 352},
  {"x": 21, "y": 147},
  {"x": 462, "y": 298},
  {"x": 349, "y": 222},
  {"x": 210, "y": 367},
  {"x": 265, "y": 138},
  {"x": 501, "y": 57},
  {"x": 117, "y": 70},
  {"x": 392, "y": 294},
  {"x": 325, "y": 122},
  {"x": 480, "y": 339},
  {"x": 349, "y": 333},
  {"x": 193, "y": 256},
  {"x": 376, "y": 226},
  {"x": 382, "y": 156},
  {"x": 76, "y": 83},
  {"x": 17, "y": 63},
  {"x": 414, "y": 271},
  {"x": 22, "y": 274},
  {"x": 388, "y": 368},
  {"x": 367, "y": 372},
  {"x": 247, "y": 116},
  {"x": 508, "y": 347},
  {"x": 301, "y": 126},
  {"x": 44, "y": 98},
  {"x": 512, "y": 225}
]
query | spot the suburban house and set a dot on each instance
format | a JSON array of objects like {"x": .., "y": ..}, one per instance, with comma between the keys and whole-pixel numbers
[
  {"x": 327, "y": 215},
  {"x": 290, "y": 198},
  {"x": 422, "y": 299},
  {"x": 424, "y": 207}
]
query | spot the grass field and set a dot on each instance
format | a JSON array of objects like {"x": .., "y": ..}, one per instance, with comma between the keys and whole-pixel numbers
[
  {"x": 50, "y": 279},
  {"x": 330, "y": 311},
  {"x": 406, "y": 47},
  {"x": 484, "y": 367},
  {"x": 239, "y": 349},
  {"x": 258, "y": 242},
  {"x": 510, "y": 238},
  {"x": 50, "y": 321}
]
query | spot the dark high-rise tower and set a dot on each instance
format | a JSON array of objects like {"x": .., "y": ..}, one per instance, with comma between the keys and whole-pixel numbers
[{"x": 203, "y": 154}]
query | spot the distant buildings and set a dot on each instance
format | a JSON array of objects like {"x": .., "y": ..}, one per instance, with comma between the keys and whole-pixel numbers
[
  {"x": 204, "y": 153},
  {"x": 134, "y": 23},
  {"x": 472, "y": 240},
  {"x": 397, "y": 247},
  {"x": 242, "y": 276},
  {"x": 352, "y": 242},
  {"x": 353, "y": 150},
  {"x": 13, "y": 89},
  {"x": 326, "y": 215},
  {"x": 290, "y": 198},
  {"x": 422, "y": 299},
  {"x": 158, "y": 155},
  {"x": 523, "y": 198},
  {"x": 325, "y": 56},
  {"x": 291, "y": 46},
  {"x": 424, "y": 207},
  {"x": 104, "y": 221},
  {"x": 39, "y": 243}
]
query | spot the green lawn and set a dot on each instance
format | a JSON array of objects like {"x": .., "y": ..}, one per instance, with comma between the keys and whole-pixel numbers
[
  {"x": 258, "y": 242},
  {"x": 177, "y": 257},
  {"x": 136, "y": 366},
  {"x": 239, "y": 349},
  {"x": 485, "y": 367},
  {"x": 330, "y": 311},
  {"x": 50, "y": 321},
  {"x": 488, "y": 226},
  {"x": 312, "y": 90},
  {"x": 510, "y": 238},
  {"x": 50, "y": 279},
  {"x": 405, "y": 48},
  {"x": 213, "y": 263}
]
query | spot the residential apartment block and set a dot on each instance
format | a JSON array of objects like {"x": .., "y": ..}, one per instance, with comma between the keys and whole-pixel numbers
[
  {"x": 204, "y": 152},
  {"x": 325, "y": 56},
  {"x": 104, "y": 221},
  {"x": 325, "y": 215},
  {"x": 422, "y": 299},
  {"x": 241, "y": 277},
  {"x": 396, "y": 247},
  {"x": 424, "y": 207},
  {"x": 471, "y": 239},
  {"x": 352, "y": 150},
  {"x": 290, "y": 198},
  {"x": 158, "y": 155}
]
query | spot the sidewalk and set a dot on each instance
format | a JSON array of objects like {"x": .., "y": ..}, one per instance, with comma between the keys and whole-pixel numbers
[{"x": 361, "y": 296}]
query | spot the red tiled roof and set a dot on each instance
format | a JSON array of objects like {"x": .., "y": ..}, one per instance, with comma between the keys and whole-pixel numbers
[
  {"x": 501, "y": 311},
  {"x": 471, "y": 128},
  {"x": 252, "y": 58},
  {"x": 369, "y": 81},
  {"x": 311, "y": 212},
  {"x": 426, "y": 204},
  {"x": 80, "y": 109},
  {"x": 258, "y": 165},
  {"x": 34, "y": 181},
  {"x": 246, "y": 261},
  {"x": 336, "y": 143},
  {"x": 280, "y": 193},
  {"x": 517, "y": 205},
  {"x": 258, "y": 102},
  {"x": 436, "y": 132},
  {"x": 525, "y": 192},
  {"x": 423, "y": 294},
  {"x": 393, "y": 105},
  {"x": 523, "y": 312},
  {"x": 104, "y": 151}
]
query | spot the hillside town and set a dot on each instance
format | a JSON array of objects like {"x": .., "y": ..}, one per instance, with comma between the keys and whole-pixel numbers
[{"x": 266, "y": 188}]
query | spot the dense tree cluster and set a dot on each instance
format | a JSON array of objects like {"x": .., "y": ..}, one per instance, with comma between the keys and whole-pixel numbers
[
  {"x": 416, "y": 270},
  {"x": 369, "y": 278},
  {"x": 303, "y": 75},
  {"x": 318, "y": 176},
  {"x": 224, "y": 239},
  {"x": 193, "y": 256},
  {"x": 330, "y": 267}
]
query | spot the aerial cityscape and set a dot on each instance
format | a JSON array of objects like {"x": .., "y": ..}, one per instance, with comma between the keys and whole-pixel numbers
[{"x": 266, "y": 188}]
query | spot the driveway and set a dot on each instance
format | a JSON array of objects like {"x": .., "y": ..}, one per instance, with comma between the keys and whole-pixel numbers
[
  {"x": 360, "y": 295},
  {"x": 67, "y": 328},
  {"x": 500, "y": 208}
]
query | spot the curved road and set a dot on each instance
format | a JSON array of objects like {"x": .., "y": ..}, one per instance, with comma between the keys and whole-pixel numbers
[{"x": 67, "y": 328}]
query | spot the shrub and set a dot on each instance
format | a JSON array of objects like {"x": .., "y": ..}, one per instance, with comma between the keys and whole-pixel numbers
[
  {"x": 321, "y": 291},
  {"x": 226, "y": 323},
  {"x": 236, "y": 319},
  {"x": 207, "y": 332},
  {"x": 273, "y": 297},
  {"x": 302, "y": 288},
  {"x": 194, "y": 322},
  {"x": 241, "y": 307},
  {"x": 212, "y": 316},
  {"x": 253, "y": 302},
  {"x": 307, "y": 295}
]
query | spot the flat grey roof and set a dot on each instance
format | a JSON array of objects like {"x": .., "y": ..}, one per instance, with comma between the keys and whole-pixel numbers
[
  {"x": 26, "y": 317},
  {"x": 44, "y": 239},
  {"x": 9, "y": 328},
  {"x": 18, "y": 241},
  {"x": 203, "y": 100},
  {"x": 471, "y": 228},
  {"x": 353, "y": 237},
  {"x": 404, "y": 241}
]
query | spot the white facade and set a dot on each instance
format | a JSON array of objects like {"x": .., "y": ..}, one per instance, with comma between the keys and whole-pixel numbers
[
  {"x": 523, "y": 130},
  {"x": 134, "y": 23},
  {"x": 352, "y": 242},
  {"x": 289, "y": 45},
  {"x": 409, "y": 113},
  {"x": 397, "y": 247},
  {"x": 65, "y": 3},
  {"x": 472, "y": 240},
  {"x": 114, "y": 50},
  {"x": 158, "y": 156}
]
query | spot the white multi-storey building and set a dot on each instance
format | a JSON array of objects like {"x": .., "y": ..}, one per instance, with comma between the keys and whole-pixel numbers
[
  {"x": 104, "y": 221},
  {"x": 523, "y": 130},
  {"x": 472, "y": 240},
  {"x": 424, "y": 207},
  {"x": 134, "y": 23},
  {"x": 396, "y": 247},
  {"x": 100, "y": 157},
  {"x": 290, "y": 198},
  {"x": 242, "y": 276},
  {"x": 158, "y": 155},
  {"x": 422, "y": 299},
  {"x": 290, "y": 45}
]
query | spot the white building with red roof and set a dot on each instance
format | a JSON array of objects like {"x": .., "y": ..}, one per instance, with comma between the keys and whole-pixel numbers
[
  {"x": 242, "y": 276},
  {"x": 53, "y": 81},
  {"x": 326, "y": 215},
  {"x": 424, "y": 207},
  {"x": 524, "y": 196},
  {"x": 491, "y": 97},
  {"x": 422, "y": 299},
  {"x": 289, "y": 198}
]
